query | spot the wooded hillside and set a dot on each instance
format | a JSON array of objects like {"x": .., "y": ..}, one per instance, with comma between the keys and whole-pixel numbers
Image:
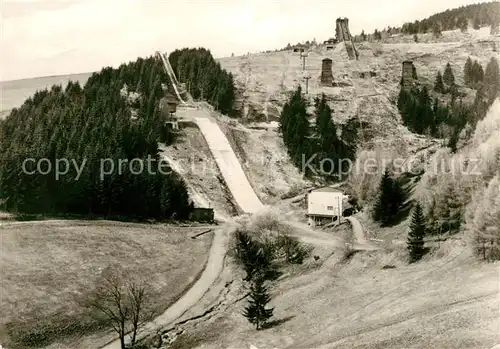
[
  {"x": 204, "y": 77},
  {"x": 92, "y": 128}
]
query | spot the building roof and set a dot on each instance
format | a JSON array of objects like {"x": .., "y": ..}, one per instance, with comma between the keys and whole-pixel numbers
[{"x": 327, "y": 189}]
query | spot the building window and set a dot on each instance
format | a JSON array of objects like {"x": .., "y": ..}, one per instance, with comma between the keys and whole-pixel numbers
[{"x": 329, "y": 208}]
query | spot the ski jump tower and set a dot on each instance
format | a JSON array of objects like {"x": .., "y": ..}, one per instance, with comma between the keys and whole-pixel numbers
[{"x": 344, "y": 37}]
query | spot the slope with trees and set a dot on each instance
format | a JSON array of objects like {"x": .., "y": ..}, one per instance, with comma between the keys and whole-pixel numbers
[
  {"x": 423, "y": 114},
  {"x": 204, "y": 77},
  {"x": 92, "y": 128},
  {"x": 316, "y": 149},
  {"x": 483, "y": 14}
]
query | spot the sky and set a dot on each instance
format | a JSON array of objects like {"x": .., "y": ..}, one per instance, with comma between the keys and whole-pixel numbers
[{"x": 55, "y": 37}]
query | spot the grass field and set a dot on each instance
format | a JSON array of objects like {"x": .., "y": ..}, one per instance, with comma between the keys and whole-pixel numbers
[{"x": 44, "y": 264}]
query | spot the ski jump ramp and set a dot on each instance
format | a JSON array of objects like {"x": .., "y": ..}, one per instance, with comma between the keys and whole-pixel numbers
[{"x": 229, "y": 166}]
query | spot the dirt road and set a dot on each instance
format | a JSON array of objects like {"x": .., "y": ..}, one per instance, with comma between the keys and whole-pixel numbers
[{"x": 357, "y": 230}]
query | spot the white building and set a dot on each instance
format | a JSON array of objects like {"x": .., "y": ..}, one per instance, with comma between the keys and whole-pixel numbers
[{"x": 324, "y": 204}]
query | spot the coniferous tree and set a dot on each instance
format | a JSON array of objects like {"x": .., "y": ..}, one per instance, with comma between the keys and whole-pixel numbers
[
  {"x": 468, "y": 72},
  {"x": 480, "y": 102},
  {"x": 462, "y": 24},
  {"x": 439, "y": 84},
  {"x": 476, "y": 23},
  {"x": 326, "y": 131},
  {"x": 389, "y": 200},
  {"x": 453, "y": 141},
  {"x": 294, "y": 125},
  {"x": 256, "y": 311},
  {"x": 448, "y": 76},
  {"x": 495, "y": 25},
  {"x": 492, "y": 80},
  {"x": 423, "y": 117},
  {"x": 436, "y": 30},
  {"x": 415, "y": 242},
  {"x": 477, "y": 75}
]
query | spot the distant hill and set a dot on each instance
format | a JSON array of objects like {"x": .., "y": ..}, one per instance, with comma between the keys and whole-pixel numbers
[
  {"x": 480, "y": 15},
  {"x": 15, "y": 92},
  {"x": 475, "y": 15}
]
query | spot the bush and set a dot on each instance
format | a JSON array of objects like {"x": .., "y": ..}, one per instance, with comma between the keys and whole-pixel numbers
[{"x": 265, "y": 243}]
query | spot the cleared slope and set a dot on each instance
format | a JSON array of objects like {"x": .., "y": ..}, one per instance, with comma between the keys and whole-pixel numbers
[
  {"x": 43, "y": 264},
  {"x": 265, "y": 78},
  {"x": 450, "y": 302}
]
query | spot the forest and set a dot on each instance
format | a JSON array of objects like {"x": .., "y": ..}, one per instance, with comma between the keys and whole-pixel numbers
[
  {"x": 317, "y": 150},
  {"x": 480, "y": 15},
  {"x": 425, "y": 111},
  {"x": 204, "y": 78},
  {"x": 86, "y": 125}
]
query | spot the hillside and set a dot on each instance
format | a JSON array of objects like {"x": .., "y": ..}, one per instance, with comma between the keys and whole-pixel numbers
[
  {"x": 266, "y": 78},
  {"x": 448, "y": 301},
  {"x": 264, "y": 81},
  {"x": 373, "y": 299},
  {"x": 46, "y": 267}
]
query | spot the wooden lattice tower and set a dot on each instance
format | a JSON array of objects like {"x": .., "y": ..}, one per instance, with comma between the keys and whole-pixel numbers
[{"x": 343, "y": 36}]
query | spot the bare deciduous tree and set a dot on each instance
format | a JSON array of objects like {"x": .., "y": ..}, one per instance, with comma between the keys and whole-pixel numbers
[{"x": 122, "y": 300}]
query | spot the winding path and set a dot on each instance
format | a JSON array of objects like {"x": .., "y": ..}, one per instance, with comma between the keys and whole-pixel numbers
[{"x": 359, "y": 235}]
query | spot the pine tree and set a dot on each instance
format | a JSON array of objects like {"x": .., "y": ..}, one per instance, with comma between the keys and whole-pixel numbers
[
  {"x": 423, "y": 111},
  {"x": 448, "y": 76},
  {"x": 453, "y": 140},
  {"x": 436, "y": 30},
  {"x": 295, "y": 127},
  {"x": 462, "y": 24},
  {"x": 382, "y": 211},
  {"x": 415, "y": 242},
  {"x": 468, "y": 72},
  {"x": 326, "y": 130},
  {"x": 256, "y": 311},
  {"x": 439, "y": 85},
  {"x": 494, "y": 27},
  {"x": 476, "y": 23},
  {"x": 492, "y": 80},
  {"x": 477, "y": 75}
]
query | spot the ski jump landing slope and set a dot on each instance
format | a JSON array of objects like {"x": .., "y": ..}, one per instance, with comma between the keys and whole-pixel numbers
[{"x": 221, "y": 150}]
